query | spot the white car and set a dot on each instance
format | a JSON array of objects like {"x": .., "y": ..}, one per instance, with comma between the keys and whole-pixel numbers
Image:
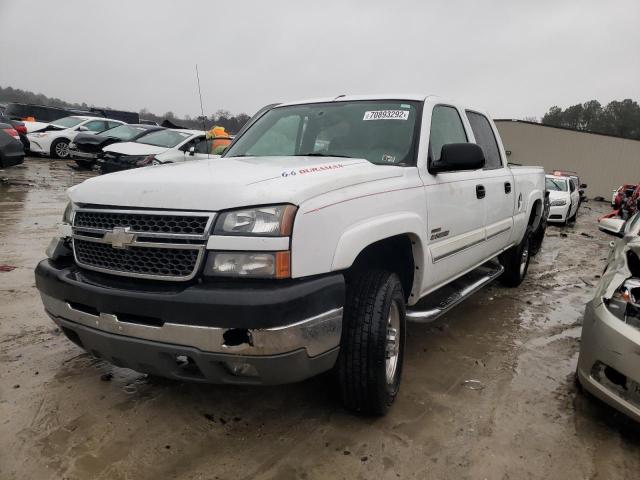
[
  {"x": 156, "y": 148},
  {"x": 564, "y": 197},
  {"x": 54, "y": 139}
]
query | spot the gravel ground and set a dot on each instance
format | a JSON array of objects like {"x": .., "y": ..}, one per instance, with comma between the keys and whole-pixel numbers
[{"x": 64, "y": 414}]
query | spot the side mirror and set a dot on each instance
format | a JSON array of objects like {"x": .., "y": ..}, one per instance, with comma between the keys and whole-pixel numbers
[
  {"x": 82, "y": 128},
  {"x": 583, "y": 185},
  {"x": 458, "y": 156},
  {"x": 192, "y": 151},
  {"x": 612, "y": 226}
]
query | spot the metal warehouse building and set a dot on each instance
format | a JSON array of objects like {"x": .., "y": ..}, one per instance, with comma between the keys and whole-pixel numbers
[{"x": 604, "y": 162}]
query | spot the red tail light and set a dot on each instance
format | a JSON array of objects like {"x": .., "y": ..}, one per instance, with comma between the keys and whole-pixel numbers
[
  {"x": 21, "y": 129},
  {"x": 12, "y": 132}
]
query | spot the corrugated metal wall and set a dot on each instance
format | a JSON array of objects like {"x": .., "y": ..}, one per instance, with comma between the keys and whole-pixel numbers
[{"x": 603, "y": 162}]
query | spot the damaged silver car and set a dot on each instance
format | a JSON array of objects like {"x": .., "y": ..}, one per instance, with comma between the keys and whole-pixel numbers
[{"x": 609, "y": 361}]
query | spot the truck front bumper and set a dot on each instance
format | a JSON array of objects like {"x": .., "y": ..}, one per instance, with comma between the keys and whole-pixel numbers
[{"x": 262, "y": 334}]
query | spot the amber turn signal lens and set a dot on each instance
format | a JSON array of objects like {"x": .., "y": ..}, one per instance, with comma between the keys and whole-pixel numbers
[
  {"x": 283, "y": 264},
  {"x": 286, "y": 224}
]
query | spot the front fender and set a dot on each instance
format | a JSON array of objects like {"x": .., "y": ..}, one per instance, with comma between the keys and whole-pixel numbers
[{"x": 359, "y": 236}]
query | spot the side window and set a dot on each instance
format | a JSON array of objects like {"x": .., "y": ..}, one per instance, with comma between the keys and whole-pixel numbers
[
  {"x": 486, "y": 139},
  {"x": 572, "y": 186},
  {"x": 446, "y": 127},
  {"x": 96, "y": 126},
  {"x": 113, "y": 124},
  {"x": 203, "y": 145}
]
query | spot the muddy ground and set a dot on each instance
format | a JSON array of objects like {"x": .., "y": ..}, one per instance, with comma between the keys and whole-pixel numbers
[{"x": 64, "y": 414}]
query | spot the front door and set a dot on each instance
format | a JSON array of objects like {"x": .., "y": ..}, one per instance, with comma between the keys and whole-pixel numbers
[{"x": 455, "y": 205}]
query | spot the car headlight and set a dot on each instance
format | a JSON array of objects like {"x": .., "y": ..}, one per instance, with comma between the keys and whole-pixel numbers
[
  {"x": 249, "y": 264},
  {"x": 624, "y": 302},
  {"x": 67, "y": 216},
  {"x": 271, "y": 221},
  {"x": 558, "y": 203}
]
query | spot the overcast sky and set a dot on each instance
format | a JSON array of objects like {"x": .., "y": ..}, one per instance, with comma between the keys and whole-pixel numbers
[{"x": 514, "y": 58}]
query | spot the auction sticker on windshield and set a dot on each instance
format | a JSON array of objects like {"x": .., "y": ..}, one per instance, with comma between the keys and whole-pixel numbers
[{"x": 386, "y": 115}]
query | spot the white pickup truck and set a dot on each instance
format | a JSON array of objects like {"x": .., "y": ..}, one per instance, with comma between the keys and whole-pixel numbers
[{"x": 325, "y": 226}]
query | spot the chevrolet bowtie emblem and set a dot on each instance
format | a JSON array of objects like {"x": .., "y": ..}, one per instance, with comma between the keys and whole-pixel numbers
[{"x": 119, "y": 237}]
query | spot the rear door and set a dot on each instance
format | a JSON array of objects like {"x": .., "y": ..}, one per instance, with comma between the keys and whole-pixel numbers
[
  {"x": 498, "y": 183},
  {"x": 456, "y": 213}
]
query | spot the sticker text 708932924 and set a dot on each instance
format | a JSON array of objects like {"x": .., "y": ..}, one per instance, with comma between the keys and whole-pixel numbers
[{"x": 386, "y": 115}]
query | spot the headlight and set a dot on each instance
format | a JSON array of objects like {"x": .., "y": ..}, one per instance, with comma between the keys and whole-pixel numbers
[
  {"x": 558, "y": 203},
  {"x": 249, "y": 264},
  {"x": 272, "y": 221},
  {"x": 67, "y": 216},
  {"x": 624, "y": 302}
]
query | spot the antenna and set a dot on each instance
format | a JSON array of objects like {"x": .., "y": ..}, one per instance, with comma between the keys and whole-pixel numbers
[{"x": 204, "y": 128}]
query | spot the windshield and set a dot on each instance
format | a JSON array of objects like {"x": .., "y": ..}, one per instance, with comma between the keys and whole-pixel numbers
[
  {"x": 164, "y": 138},
  {"x": 124, "y": 132},
  {"x": 381, "y": 131},
  {"x": 68, "y": 122},
  {"x": 557, "y": 184}
]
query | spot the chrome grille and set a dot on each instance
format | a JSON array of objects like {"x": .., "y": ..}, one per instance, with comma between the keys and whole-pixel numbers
[
  {"x": 162, "y": 245},
  {"x": 140, "y": 222},
  {"x": 176, "y": 262}
]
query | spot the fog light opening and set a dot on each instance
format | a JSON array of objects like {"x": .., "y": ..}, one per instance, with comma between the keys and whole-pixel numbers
[
  {"x": 615, "y": 377},
  {"x": 237, "y": 336}
]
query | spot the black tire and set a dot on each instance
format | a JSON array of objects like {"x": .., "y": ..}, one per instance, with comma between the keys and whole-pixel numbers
[
  {"x": 361, "y": 369},
  {"x": 512, "y": 261},
  {"x": 537, "y": 238},
  {"x": 57, "y": 148},
  {"x": 574, "y": 217}
]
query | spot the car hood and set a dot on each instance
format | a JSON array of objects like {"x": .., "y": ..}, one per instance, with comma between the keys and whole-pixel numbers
[
  {"x": 134, "y": 148},
  {"x": 223, "y": 183},
  {"x": 617, "y": 266},
  {"x": 89, "y": 139},
  {"x": 558, "y": 195}
]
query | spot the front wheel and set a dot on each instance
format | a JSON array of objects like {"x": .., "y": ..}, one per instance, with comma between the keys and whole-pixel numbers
[
  {"x": 60, "y": 148},
  {"x": 516, "y": 261},
  {"x": 369, "y": 366}
]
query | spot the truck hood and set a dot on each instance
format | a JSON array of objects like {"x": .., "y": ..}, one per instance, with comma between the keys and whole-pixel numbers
[
  {"x": 134, "y": 148},
  {"x": 223, "y": 183}
]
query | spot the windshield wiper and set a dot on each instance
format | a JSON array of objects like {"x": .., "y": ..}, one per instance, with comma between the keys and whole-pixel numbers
[{"x": 317, "y": 154}]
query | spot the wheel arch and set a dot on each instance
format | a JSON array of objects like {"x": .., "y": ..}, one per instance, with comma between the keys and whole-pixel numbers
[{"x": 391, "y": 241}]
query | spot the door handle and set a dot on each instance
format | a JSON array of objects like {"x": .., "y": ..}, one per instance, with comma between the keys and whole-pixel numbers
[
  {"x": 480, "y": 191},
  {"x": 507, "y": 187}
]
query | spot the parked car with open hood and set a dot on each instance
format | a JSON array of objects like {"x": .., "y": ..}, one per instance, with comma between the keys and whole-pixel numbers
[
  {"x": 162, "y": 146},
  {"x": 564, "y": 199},
  {"x": 608, "y": 364},
  {"x": 86, "y": 147},
  {"x": 323, "y": 228},
  {"x": 54, "y": 139}
]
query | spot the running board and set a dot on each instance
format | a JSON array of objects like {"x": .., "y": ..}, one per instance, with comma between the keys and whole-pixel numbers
[{"x": 445, "y": 298}]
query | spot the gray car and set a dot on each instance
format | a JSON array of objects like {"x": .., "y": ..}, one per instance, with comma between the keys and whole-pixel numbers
[{"x": 609, "y": 361}]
